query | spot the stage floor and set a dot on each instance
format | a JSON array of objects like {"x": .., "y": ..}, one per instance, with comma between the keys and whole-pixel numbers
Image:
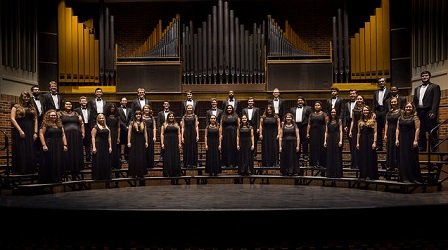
[{"x": 234, "y": 216}]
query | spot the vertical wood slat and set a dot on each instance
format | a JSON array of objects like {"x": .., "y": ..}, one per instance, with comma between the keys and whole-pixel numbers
[
  {"x": 61, "y": 42},
  {"x": 379, "y": 41},
  {"x": 362, "y": 54},
  {"x": 75, "y": 58},
  {"x": 86, "y": 46},
  {"x": 96, "y": 60},
  {"x": 352, "y": 57},
  {"x": 92, "y": 53},
  {"x": 367, "y": 48},
  {"x": 68, "y": 44},
  {"x": 386, "y": 36},
  {"x": 373, "y": 47},
  {"x": 81, "y": 73}
]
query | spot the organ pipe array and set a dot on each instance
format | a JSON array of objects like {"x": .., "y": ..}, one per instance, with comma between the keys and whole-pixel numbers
[{"x": 223, "y": 50}]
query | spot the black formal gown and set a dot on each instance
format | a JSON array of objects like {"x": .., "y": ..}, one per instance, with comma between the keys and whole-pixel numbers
[
  {"x": 409, "y": 166},
  {"x": 102, "y": 168},
  {"x": 334, "y": 152},
  {"x": 212, "y": 161},
  {"x": 190, "y": 146},
  {"x": 353, "y": 150},
  {"x": 391, "y": 148},
  {"x": 317, "y": 137},
  {"x": 23, "y": 153},
  {"x": 228, "y": 145},
  {"x": 51, "y": 169},
  {"x": 113, "y": 122},
  {"x": 150, "y": 132},
  {"x": 245, "y": 154},
  {"x": 269, "y": 143},
  {"x": 137, "y": 154},
  {"x": 74, "y": 161},
  {"x": 368, "y": 161},
  {"x": 171, "y": 158},
  {"x": 288, "y": 157}
]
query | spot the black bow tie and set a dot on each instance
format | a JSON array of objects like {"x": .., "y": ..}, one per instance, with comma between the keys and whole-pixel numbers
[
  {"x": 166, "y": 111},
  {"x": 84, "y": 108},
  {"x": 334, "y": 98},
  {"x": 36, "y": 99},
  {"x": 249, "y": 108},
  {"x": 425, "y": 84},
  {"x": 299, "y": 107},
  {"x": 214, "y": 109},
  {"x": 141, "y": 99},
  {"x": 276, "y": 99},
  {"x": 98, "y": 99}
]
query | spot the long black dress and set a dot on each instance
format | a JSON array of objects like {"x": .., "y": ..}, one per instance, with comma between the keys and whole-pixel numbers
[
  {"x": 288, "y": 157},
  {"x": 317, "y": 137},
  {"x": 212, "y": 166},
  {"x": 137, "y": 157},
  {"x": 113, "y": 122},
  {"x": 409, "y": 166},
  {"x": 269, "y": 143},
  {"x": 51, "y": 169},
  {"x": 357, "y": 113},
  {"x": 171, "y": 158},
  {"x": 23, "y": 153},
  {"x": 392, "y": 149},
  {"x": 245, "y": 155},
  {"x": 149, "y": 122},
  {"x": 368, "y": 161},
  {"x": 228, "y": 146},
  {"x": 74, "y": 161},
  {"x": 334, "y": 152},
  {"x": 102, "y": 159},
  {"x": 190, "y": 146}
]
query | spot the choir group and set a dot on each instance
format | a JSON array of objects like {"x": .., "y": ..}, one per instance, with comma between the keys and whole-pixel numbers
[{"x": 51, "y": 137}]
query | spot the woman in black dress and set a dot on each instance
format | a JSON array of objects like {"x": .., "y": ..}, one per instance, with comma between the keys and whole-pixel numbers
[
  {"x": 170, "y": 137},
  {"x": 190, "y": 137},
  {"x": 138, "y": 143},
  {"x": 245, "y": 146},
  {"x": 333, "y": 144},
  {"x": 211, "y": 141},
  {"x": 74, "y": 132},
  {"x": 408, "y": 131},
  {"x": 24, "y": 133},
  {"x": 228, "y": 137},
  {"x": 390, "y": 135},
  {"x": 54, "y": 144},
  {"x": 289, "y": 146},
  {"x": 353, "y": 133},
  {"x": 101, "y": 149},
  {"x": 269, "y": 134},
  {"x": 316, "y": 134},
  {"x": 366, "y": 144},
  {"x": 113, "y": 123},
  {"x": 151, "y": 129}
]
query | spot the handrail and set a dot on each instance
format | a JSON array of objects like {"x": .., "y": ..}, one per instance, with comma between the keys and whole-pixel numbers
[
  {"x": 6, "y": 140},
  {"x": 6, "y": 147},
  {"x": 430, "y": 148}
]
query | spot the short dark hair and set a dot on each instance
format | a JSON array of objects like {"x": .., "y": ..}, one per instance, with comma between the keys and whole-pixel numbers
[
  {"x": 34, "y": 86},
  {"x": 425, "y": 72}
]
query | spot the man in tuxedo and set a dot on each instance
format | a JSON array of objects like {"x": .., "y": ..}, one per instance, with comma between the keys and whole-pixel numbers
[
  {"x": 253, "y": 116},
  {"x": 401, "y": 99},
  {"x": 140, "y": 101},
  {"x": 37, "y": 101},
  {"x": 231, "y": 101},
  {"x": 52, "y": 99},
  {"x": 427, "y": 101},
  {"x": 335, "y": 102},
  {"x": 380, "y": 109},
  {"x": 188, "y": 100},
  {"x": 162, "y": 116},
  {"x": 98, "y": 104},
  {"x": 214, "y": 110},
  {"x": 89, "y": 119},
  {"x": 301, "y": 115},
  {"x": 125, "y": 115},
  {"x": 347, "y": 120},
  {"x": 277, "y": 103}
]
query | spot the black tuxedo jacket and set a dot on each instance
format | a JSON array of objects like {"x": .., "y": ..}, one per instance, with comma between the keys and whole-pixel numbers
[
  {"x": 209, "y": 113},
  {"x": 346, "y": 120},
  {"x": 88, "y": 125},
  {"x": 386, "y": 96},
  {"x": 255, "y": 121},
  {"x": 338, "y": 105},
  {"x": 160, "y": 119},
  {"x": 48, "y": 102},
  {"x": 305, "y": 114},
  {"x": 136, "y": 104},
  {"x": 236, "y": 102},
  {"x": 281, "y": 107},
  {"x": 431, "y": 99},
  {"x": 33, "y": 102},
  {"x": 124, "y": 119},
  {"x": 92, "y": 106}
]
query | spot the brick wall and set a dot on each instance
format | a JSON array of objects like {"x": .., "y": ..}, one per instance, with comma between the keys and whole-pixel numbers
[{"x": 5, "y": 121}]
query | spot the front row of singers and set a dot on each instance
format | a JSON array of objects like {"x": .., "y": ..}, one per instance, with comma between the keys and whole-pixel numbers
[{"x": 229, "y": 142}]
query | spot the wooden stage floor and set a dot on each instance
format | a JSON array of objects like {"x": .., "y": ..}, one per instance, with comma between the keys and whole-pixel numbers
[{"x": 216, "y": 216}]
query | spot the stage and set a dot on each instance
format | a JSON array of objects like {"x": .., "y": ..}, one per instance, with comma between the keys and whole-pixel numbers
[{"x": 225, "y": 215}]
